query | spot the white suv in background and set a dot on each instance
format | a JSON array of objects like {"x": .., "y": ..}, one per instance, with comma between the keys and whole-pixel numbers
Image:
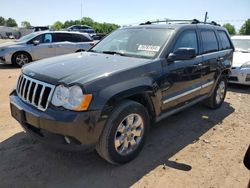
[{"x": 241, "y": 60}]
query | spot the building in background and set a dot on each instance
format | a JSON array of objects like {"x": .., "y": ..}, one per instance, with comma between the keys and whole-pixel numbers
[{"x": 13, "y": 32}]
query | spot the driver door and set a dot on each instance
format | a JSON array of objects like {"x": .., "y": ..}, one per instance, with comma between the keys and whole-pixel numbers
[
  {"x": 182, "y": 78},
  {"x": 44, "y": 48}
]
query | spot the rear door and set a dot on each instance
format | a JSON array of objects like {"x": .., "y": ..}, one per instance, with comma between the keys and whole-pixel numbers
[
  {"x": 212, "y": 57},
  {"x": 45, "y": 47},
  {"x": 182, "y": 79},
  {"x": 63, "y": 43}
]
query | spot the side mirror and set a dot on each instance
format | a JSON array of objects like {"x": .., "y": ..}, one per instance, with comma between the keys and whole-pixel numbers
[
  {"x": 182, "y": 54},
  {"x": 36, "y": 42}
]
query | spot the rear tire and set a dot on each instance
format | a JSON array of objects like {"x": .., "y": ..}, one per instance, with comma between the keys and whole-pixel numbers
[
  {"x": 21, "y": 58},
  {"x": 218, "y": 96},
  {"x": 125, "y": 132}
]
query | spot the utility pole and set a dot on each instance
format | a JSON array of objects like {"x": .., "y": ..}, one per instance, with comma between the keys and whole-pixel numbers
[{"x": 81, "y": 13}]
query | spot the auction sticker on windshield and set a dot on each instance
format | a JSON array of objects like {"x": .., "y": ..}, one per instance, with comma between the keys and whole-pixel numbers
[{"x": 149, "y": 48}]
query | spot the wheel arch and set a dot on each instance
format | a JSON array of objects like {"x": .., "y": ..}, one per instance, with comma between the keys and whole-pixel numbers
[
  {"x": 141, "y": 94},
  {"x": 20, "y": 51}
]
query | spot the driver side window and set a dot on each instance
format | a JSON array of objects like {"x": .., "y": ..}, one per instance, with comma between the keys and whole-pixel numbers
[{"x": 188, "y": 39}]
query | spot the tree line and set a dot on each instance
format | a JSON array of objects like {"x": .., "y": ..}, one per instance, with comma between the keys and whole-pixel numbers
[
  {"x": 108, "y": 27},
  {"x": 98, "y": 27}
]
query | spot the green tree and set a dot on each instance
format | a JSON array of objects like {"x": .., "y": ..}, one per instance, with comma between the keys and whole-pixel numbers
[
  {"x": 87, "y": 21},
  {"x": 11, "y": 22},
  {"x": 57, "y": 25},
  {"x": 245, "y": 28},
  {"x": 2, "y": 20},
  {"x": 26, "y": 24},
  {"x": 230, "y": 28}
]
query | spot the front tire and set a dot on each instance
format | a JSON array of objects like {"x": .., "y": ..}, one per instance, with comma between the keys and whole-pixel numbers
[
  {"x": 218, "y": 96},
  {"x": 21, "y": 58},
  {"x": 125, "y": 132}
]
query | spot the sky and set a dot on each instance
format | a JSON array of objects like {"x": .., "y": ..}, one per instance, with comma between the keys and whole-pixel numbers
[{"x": 46, "y": 12}]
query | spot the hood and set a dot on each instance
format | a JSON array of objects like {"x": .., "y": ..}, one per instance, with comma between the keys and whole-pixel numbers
[
  {"x": 239, "y": 58},
  {"x": 8, "y": 44},
  {"x": 79, "y": 67}
]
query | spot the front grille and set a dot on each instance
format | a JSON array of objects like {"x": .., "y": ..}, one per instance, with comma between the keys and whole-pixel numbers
[
  {"x": 233, "y": 78},
  {"x": 34, "y": 92}
]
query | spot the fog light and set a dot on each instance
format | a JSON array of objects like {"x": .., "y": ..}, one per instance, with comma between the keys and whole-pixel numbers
[{"x": 248, "y": 78}]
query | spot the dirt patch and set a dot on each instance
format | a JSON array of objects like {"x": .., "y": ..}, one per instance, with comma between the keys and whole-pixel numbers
[{"x": 198, "y": 147}]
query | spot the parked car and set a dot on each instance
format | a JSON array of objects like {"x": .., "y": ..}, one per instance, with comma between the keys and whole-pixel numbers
[
  {"x": 241, "y": 61},
  {"x": 107, "y": 98},
  {"x": 41, "y": 45},
  {"x": 40, "y": 28},
  {"x": 82, "y": 29}
]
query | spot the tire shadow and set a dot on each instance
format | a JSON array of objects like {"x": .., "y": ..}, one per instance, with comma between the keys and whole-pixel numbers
[
  {"x": 237, "y": 88},
  {"x": 28, "y": 163},
  {"x": 8, "y": 66}
]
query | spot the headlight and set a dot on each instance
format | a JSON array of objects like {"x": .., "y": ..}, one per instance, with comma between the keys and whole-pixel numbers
[
  {"x": 71, "y": 98},
  {"x": 245, "y": 65}
]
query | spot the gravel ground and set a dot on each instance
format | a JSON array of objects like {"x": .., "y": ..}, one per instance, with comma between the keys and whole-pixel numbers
[{"x": 198, "y": 147}]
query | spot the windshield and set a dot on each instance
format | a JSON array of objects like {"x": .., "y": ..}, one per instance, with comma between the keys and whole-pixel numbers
[
  {"x": 241, "y": 45},
  {"x": 27, "y": 37},
  {"x": 134, "y": 42}
]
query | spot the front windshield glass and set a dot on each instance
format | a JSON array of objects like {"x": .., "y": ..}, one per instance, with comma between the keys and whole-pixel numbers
[
  {"x": 27, "y": 37},
  {"x": 241, "y": 45},
  {"x": 134, "y": 42}
]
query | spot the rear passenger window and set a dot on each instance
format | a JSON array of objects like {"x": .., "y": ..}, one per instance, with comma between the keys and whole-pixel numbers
[
  {"x": 187, "y": 39},
  {"x": 225, "y": 44},
  {"x": 209, "y": 41},
  {"x": 62, "y": 37},
  {"x": 80, "y": 38}
]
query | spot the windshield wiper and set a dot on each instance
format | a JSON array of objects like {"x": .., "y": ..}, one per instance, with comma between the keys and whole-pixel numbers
[{"x": 113, "y": 53}]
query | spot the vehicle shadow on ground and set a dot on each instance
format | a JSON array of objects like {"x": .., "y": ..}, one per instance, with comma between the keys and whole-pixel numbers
[
  {"x": 26, "y": 162},
  {"x": 244, "y": 89},
  {"x": 7, "y": 66}
]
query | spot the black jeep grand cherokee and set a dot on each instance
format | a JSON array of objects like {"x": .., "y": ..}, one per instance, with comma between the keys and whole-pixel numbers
[{"x": 107, "y": 98}]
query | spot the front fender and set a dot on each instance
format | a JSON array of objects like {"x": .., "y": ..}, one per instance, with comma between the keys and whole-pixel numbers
[{"x": 121, "y": 90}]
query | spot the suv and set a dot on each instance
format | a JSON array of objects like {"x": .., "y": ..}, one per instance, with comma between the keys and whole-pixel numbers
[
  {"x": 39, "y": 45},
  {"x": 82, "y": 29},
  {"x": 107, "y": 98}
]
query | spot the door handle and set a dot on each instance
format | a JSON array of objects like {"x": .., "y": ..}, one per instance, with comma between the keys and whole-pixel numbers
[
  {"x": 220, "y": 59},
  {"x": 50, "y": 46}
]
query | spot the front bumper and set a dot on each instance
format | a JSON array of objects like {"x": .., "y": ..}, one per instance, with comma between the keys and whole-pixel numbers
[
  {"x": 82, "y": 129},
  {"x": 240, "y": 76}
]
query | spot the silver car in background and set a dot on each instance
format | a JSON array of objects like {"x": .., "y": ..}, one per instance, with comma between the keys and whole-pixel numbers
[
  {"x": 44, "y": 44},
  {"x": 241, "y": 60}
]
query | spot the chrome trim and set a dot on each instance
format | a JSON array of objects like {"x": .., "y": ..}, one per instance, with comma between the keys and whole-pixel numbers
[
  {"x": 188, "y": 92},
  {"x": 22, "y": 89}
]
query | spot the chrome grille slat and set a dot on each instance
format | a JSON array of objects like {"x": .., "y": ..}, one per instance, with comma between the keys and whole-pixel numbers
[
  {"x": 21, "y": 85},
  {"x": 40, "y": 97},
  {"x": 39, "y": 92},
  {"x": 28, "y": 92},
  {"x": 34, "y": 94},
  {"x": 23, "y": 91}
]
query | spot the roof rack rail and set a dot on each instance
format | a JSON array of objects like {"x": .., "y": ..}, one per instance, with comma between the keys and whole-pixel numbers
[
  {"x": 164, "y": 21},
  {"x": 194, "y": 21}
]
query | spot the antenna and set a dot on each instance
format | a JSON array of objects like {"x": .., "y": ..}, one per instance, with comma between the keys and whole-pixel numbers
[{"x": 205, "y": 20}]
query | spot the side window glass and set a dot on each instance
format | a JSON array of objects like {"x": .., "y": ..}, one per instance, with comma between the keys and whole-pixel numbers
[
  {"x": 47, "y": 38},
  {"x": 38, "y": 38},
  {"x": 224, "y": 40},
  {"x": 209, "y": 41},
  {"x": 187, "y": 39}
]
